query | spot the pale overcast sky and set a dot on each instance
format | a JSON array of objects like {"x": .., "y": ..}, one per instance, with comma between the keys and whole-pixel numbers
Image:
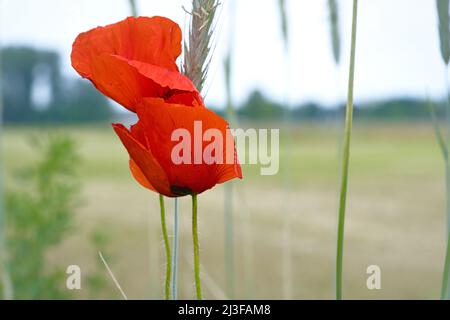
[{"x": 397, "y": 54}]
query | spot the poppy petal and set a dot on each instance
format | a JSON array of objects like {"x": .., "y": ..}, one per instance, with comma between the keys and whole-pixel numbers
[
  {"x": 116, "y": 79},
  {"x": 127, "y": 82},
  {"x": 132, "y": 59},
  {"x": 140, "y": 177},
  {"x": 161, "y": 120},
  {"x": 164, "y": 77},
  {"x": 155, "y": 40},
  {"x": 144, "y": 159}
]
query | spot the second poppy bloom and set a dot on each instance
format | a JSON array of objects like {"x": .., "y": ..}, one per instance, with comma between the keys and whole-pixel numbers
[{"x": 152, "y": 145}]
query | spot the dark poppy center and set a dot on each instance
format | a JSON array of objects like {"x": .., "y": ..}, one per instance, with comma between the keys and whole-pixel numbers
[{"x": 180, "y": 191}]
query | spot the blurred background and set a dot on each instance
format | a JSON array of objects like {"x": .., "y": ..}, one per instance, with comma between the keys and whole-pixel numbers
[{"x": 69, "y": 194}]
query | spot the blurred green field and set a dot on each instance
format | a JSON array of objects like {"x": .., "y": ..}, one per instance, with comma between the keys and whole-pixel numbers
[{"x": 396, "y": 216}]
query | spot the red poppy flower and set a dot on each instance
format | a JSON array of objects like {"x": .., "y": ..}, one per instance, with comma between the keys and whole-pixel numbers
[
  {"x": 151, "y": 146},
  {"x": 135, "y": 58},
  {"x": 134, "y": 63}
]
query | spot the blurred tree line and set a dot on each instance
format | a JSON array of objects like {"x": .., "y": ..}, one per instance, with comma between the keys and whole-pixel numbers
[
  {"x": 259, "y": 107},
  {"x": 35, "y": 90}
]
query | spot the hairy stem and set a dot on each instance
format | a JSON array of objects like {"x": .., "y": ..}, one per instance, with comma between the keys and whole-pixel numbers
[
  {"x": 167, "y": 247},
  {"x": 346, "y": 157},
  {"x": 198, "y": 285},
  {"x": 175, "y": 252}
]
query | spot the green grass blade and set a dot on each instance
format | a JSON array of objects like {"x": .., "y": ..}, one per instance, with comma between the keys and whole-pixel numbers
[
  {"x": 284, "y": 21},
  {"x": 444, "y": 31},
  {"x": 334, "y": 29},
  {"x": 346, "y": 157},
  {"x": 7, "y": 285},
  {"x": 228, "y": 188},
  {"x": 133, "y": 8}
]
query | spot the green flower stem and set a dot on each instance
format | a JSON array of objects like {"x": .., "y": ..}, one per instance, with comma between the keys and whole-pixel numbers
[
  {"x": 346, "y": 157},
  {"x": 175, "y": 252},
  {"x": 198, "y": 285},
  {"x": 444, "y": 291},
  {"x": 167, "y": 246}
]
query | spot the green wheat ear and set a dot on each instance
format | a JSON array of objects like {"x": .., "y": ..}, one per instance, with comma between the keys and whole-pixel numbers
[
  {"x": 334, "y": 29},
  {"x": 444, "y": 32},
  {"x": 197, "y": 50},
  {"x": 197, "y": 58}
]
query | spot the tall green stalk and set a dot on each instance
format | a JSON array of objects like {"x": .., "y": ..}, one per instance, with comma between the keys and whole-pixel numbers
[
  {"x": 286, "y": 243},
  {"x": 284, "y": 20},
  {"x": 175, "y": 251},
  {"x": 169, "y": 278},
  {"x": 334, "y": 30},
  {"x": 228, "y": 189},
  {"x": 445, "y": 146},
  {"x": 346, "y": 157},
  {"x": 8, "y": 292},
  {"x": 133, "y": 7},
  {"x": 444, "y": 30},
  {"x": 197, "y": 58},
  {"x": 444, "y": 149},
  {"x": 198, "y": 284},
  {"x": 445, "y": 292},
  {"x": 167, "y": 247},
  {"x": 444, "y": 36},
  {"x": 445, "y": 276}
]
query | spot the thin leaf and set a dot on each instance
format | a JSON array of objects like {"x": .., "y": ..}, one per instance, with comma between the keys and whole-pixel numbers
[
  {"x": 284, "y": 21},
  {"x": 444, "y": 31},
  {"x": 334, "y": 29}
]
